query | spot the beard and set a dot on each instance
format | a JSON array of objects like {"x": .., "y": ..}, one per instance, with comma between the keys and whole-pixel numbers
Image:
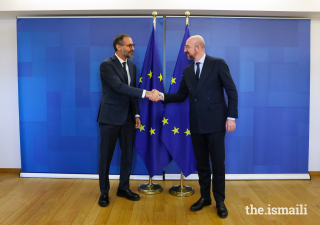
[
  {"x": 127, "y": 54},
  {"x": 190, "y": 57}
]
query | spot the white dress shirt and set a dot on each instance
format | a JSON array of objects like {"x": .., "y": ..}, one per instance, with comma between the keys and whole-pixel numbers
[
  {"x": 127, "y": 68},
  {"x": 201, "y": 61},
  {"x": 128, "y": 73}
]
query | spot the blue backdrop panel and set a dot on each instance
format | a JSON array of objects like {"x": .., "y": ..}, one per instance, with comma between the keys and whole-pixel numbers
[
  {"x": 60, "y": 89},
  {"x": 269, "y": 60}
]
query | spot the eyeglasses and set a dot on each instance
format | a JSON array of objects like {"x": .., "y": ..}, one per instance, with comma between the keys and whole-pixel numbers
[
  {"x": 130, "y": 46},
  {"x": 187, "y": 46}
]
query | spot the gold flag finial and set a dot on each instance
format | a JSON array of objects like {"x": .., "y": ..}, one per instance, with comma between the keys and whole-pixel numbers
[
  {"x": 154, "y": 18},
  {"x": 187, "y": 15}
]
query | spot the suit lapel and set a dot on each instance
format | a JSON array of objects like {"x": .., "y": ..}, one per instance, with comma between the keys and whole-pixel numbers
[
  {"x": 119, "y": 69},
  {"x": 192, "y": 76},
  {"x": 207, "y": 65}
]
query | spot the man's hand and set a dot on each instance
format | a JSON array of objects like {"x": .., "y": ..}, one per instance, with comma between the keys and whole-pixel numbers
[
  {"x": 155, "y": 91},
  {"x": 138, "y": 123},
  {"x": 230, "y": 125},
  {"x": 152, "y": 96}
]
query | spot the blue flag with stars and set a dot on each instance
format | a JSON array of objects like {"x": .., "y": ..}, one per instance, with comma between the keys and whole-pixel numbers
[
  {"x": 175, "y": 133},
  {"x": 148, "y": 143}
]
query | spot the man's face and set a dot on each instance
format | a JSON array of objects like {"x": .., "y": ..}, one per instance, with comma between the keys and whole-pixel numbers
[
  {"x": 127, "y": 48},
  {"x": 190, "y": 50}
]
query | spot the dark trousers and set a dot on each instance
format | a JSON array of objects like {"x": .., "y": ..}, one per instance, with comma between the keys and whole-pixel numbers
[
  {"x": 109, "y": 135},
  {"x": 205, "y": 145}
]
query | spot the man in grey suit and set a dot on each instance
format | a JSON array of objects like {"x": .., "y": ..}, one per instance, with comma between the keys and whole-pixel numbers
[
  {"x": 204, "y": 82},
  {"x": 118, "y": 116}
]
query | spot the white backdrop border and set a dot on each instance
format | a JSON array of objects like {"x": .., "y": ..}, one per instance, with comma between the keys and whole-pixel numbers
[{"x": 299, "y": 176}]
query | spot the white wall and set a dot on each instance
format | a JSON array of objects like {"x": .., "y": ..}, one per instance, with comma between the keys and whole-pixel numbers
[
  {"x": 270, "y": 5},
  {"x": 314, "y": 136},
  {"x": 309, "y": 8},
  {"x": 9, "y": 118},
  {"x": 9, "y": 111}
]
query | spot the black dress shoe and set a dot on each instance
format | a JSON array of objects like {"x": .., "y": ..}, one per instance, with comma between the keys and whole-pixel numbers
[
  {"x": 222, "y": 209},
  {"x": 104, "y": 200},
  {"x": 200, "y": 204},
  {"x": 128, "y": 194}
]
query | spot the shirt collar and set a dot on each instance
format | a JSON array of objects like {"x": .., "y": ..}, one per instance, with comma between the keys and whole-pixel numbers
[
  {"x": 201, "y": 61},
  {"x": 121, "y": 61}
]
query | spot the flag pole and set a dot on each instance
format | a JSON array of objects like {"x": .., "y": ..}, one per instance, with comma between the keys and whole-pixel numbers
[
  {"x": 151, "y": 188},
  {"x": 154, "y": 14},
  {"x": 187, "y": 13},
  {"x": 182, "y": 190}
]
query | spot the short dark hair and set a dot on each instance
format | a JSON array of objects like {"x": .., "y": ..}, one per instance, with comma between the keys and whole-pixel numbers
[{"x": 118, "y": 40}]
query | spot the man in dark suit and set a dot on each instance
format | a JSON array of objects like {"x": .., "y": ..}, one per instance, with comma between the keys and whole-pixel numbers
[
  {"x": 204, "y": 81},
  {"x": 119, "y": 115}
]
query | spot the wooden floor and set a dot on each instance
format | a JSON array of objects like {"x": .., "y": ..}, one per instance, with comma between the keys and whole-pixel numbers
[{"x": 72, "y": 201}]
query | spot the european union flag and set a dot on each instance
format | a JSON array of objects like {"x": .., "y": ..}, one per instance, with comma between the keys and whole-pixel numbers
[
  {"x": 175, "y": 133},
  {"x": 148, "y": 144}
]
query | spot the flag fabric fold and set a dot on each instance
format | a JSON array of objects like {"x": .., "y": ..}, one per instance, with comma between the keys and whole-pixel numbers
[
  {"x": 148, "y": 143},
  {"x": 175, "y": 133}
]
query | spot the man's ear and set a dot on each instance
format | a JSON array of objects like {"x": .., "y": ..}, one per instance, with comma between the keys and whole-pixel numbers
[
  {"x": 198, "y": 48},
  {"x": 118, "y": 47}
]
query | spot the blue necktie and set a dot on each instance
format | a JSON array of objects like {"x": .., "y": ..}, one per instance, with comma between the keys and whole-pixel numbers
[{"x": 198, "y": 71}]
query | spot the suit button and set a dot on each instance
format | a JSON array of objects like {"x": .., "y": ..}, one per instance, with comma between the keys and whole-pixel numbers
[
  {"x": 208, "y": 98},
  {"x": 208, "y": 86},
  {"x": 195, "y": 99},
  {"x": 190, "y": 89}
]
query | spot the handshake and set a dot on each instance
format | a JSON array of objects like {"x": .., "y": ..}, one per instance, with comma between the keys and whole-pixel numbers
[{"x": 154, "y": 95}]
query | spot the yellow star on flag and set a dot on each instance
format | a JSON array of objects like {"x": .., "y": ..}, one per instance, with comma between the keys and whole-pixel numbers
[
  {"x": 175, "y": 130},
  {"x": 160, "y": 77},
  {"x": 141, "y": 127},
  {"x": 140, "y": 80},
  {"x": 152, "y": 131},
  {"x": 165, "y": 121},
  {"x": 150, "y": 74},
  {"x": 187, "y": 132},
  {"x": 173, "y": 80}
]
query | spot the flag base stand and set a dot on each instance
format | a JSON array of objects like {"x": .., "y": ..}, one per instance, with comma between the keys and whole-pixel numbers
[
  {"x": 150, "y": 188},
  {"x": 185, "y": 191},
  {"x": 181, "y": 190}
]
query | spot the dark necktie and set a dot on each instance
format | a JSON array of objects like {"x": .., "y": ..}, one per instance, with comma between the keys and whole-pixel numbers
[
  {"x": 125, "y": 71},
  {"x": 198, "y": 71}
]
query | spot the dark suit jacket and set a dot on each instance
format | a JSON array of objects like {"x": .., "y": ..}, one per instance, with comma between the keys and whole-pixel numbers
[
  {"x": 117, "y": 95},
  {"x": 208, "y": 108}
]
